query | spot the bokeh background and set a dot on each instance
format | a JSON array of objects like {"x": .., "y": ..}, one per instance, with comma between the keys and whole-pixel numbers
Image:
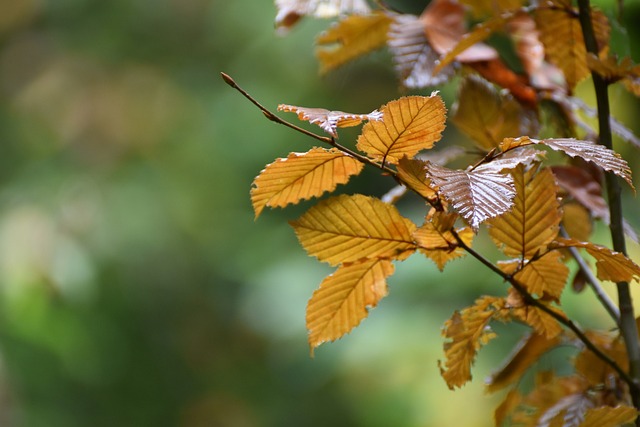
[{"x": 136, "y": 289}]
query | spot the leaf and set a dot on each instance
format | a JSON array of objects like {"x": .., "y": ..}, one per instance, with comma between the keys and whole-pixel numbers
[
  {"x": 541, "y": 322},
  {"x": 611, "y": 265},
  {"x": 577, "y": 221},
  {"x": 557, "y": 20},
  {"x": 594, "y": 369},
  {"x": 436, "y": 241},
  {"x": 414, "y": 58},
  {"x": 544, "y": 276},
  {"x": 507, "y": 406},
  {"x": 344, "y": 298},
  {"x": 408, "y": 125},
  {"x": 329, "y": 120},
  {"x": 476, "y": 195},
  {"x": 583, "y": 187},
  {"x": 290, "y": 11},
  {"x": 352, "y": 37},
  {"x": 491, "y": 7},
  {"x": 534, "y": 220},
  {"x": 611, "y": 70},
  {"x": 486, "y": 115},
  {"x": 301, "y": 176},
  {"x": 466, "y": 331},
  {"x": 606, "y": 416},
  {"x": 412, "y": 173},
  {"x": 526, "y": 353},
  {"x": 345, "y": 229},
  {"x": 496, "y": 71}
]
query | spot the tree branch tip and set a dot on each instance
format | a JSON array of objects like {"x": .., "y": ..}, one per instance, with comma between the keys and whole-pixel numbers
[{"x": 228, "y": 80}]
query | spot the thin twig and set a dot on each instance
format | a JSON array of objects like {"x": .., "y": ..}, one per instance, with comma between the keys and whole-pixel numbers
[{"x": 568, "y": 323}]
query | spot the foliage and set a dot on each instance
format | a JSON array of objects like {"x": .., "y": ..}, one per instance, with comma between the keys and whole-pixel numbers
[{"x": 527, "y": 202}]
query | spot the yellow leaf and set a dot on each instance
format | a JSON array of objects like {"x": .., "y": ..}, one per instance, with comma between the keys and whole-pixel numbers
[
  {"x": 408, "y": 125},
  {"x": 544, "y": 276},
  {"x": 540, "y": 321},
  {"x": 593, "y": 368},
  {"x": 352, "y": 37},
  {"x": 343, "y": 299},
  {"x": 611, "y": 265},
  {"x": 345, "y": 229},
  {"x": 412, "y": 173},
  {"x": 533, "y": 221},
  {"x": 466, "y": 332},
  {"x": 527, "y": 352},
  {"x": 577, "y": 221},
  {"x": 508, "y": 405},
  {"x": 607, "y": 416},
  {"x": 487, "y": 115},
  {"x": 436, "y": 241},
  {"x": 329, "y": 120},
  {"x": 491, "y": 7},
  {"x": 301, "y": 176}
]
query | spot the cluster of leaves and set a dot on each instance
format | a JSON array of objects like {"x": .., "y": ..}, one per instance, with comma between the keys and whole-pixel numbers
[{"x": 537, "y": 214}]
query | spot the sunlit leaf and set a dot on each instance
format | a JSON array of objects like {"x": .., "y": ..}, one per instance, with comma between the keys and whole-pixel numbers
[
  {"x": 542, "y": 322},
  {"x": 466, "y": 331},
  {"x": 412, "y": 173},
  {"x": 408, "y": 125},
  {"x": 436, "y": 241},
  {"x": 344, "y": 299},
  {"x": 301, "y": 176},
  {"x": 352, "y": 37},
  {"x": 606, "y": 416},
  {"x": 486, "y": 115},
  {"x": 291, "y": 11},
  {"x": 414, "y": 58},
  {"x": 329, "y": 121},
  {"x": 346, "y": 229},
  {"x": 533, "y": 222},
  {"x": 476, "y": 195},
  {"x": 611, "y": 265},
  {"x": 526, "y": 353},
  {"x": 545, "y": 276}
]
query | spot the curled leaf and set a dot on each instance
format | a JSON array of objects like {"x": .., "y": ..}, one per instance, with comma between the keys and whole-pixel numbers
[
  {"x": 291, "y": 11},
  {"x": 329, "y": 121}
]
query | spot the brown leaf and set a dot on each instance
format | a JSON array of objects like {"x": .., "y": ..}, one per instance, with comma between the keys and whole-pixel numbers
[
  {"x": 436, "y": 241},
  {"x": 496, "y": 71},
  {"x": 351, "y": 38},
  {"x": 301, "y": 176},
  {"x": 345, "y": 298},
  {"x": 412, "y": 173},
  {"x": 607, "y": 416},
  {"x": 482, "y": 8},
  {"x": 594, "y": 369},
  {"x": 577, "y": 221},
  {"x": 291, "y": 11},
  {"x": 544, "y": 276},
  {"x": 408, "y": 125},
  {"x": 329, "y": 121},
  {"x": 345, "y": 229}
]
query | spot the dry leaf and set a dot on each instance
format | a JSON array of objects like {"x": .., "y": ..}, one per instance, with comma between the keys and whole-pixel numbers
[
  {"x": 412, "y": 173},
  {"x": 329, "y": 121},
  {"x": 436, "y": 241},
  {"x": 607, "y": 416},
  {"x": 291, "y": 11},
  {"x": 545, "y": 276}
]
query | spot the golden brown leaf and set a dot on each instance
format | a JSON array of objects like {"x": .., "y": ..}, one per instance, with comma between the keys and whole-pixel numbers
[
  {"x": 352, "y": 37},
  {"x": 534, "y": 220},
  {"x": 491, "y": 7},
  {"x": 611, "y": 265},
  {"x": 291, "y": 11},
  {"x": 526, "y": 353},
  {"x": 545, "y": 276},
  {"x": 466, "y": 331},
  {"x": 506, "y": 407},
  {"x": 611, "y": 70},
  {"x": 329, "y": 121},
  {"x": 344, "y": 299},
  {"x": 607, "y": 416},
  {"x": 345, "y": 229},
  {"x": 576, "y": 221},
  {"x": 408, "y": 125},
  {"x": 541, "y": 322},
  {"x": 412, "y": 173},
  {"x": 301, "y": 176},
  {"x": 593, "y": 368},
  {"x": 436, "y": 241}
]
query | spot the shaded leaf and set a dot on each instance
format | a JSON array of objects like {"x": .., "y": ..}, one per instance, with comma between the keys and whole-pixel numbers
[
  {"x": 329, "y": 121},
  {"x": 606, "y": 416},
  {"x": 408, "y": 125},
  {"x": 412, "y": 173},
  {"x": 593, "y": 368},
  {"x": 611, "y": 70},
  {"x": 301, "y": 176},
  {"x": 541, "y": 322},
  {"x": 491, "y": 7},
  {"x": 414, "y": 58},
  {"x": 534, "y": 220},
  {"x": 611, "y": 265},
  {"x": 436, "y": 241},
  {"x": 352, "y": 37},
  {"x": 577, "y": 221},
  {"x": 344, "y": 298},
  {"x": 289, "y": 12},
  {"x": 476, "y": 195},
  {"x": 346, "y": 229},
  {"x": 498, "y": 72},
  {"x": 506, "y": 407}
]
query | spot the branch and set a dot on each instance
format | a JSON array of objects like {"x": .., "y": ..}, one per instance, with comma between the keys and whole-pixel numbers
[{"x": 568, "y": 323}]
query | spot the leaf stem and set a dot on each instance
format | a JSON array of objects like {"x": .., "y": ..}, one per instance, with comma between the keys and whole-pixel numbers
[
  {"x": 628, "y": 326},
  {"x": 568, "y": 323}
]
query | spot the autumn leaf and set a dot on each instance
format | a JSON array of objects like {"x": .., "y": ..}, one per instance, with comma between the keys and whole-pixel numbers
[
  {"x": 476, "y": 195},
  {"x": 345, "y": 229},
  {"x": 593, "y": 368},
  {"x": 329, "y": 121},
  {"x": 606, "y": 416},
  {"x": 544, "y": 276},
  {"x": 466, "y": 331},
  {"x": 344, "y": 299},
  {"x": 437, "y": 242},
  {"x": 486, "y": 115},
  {"x": 507, "y": 406},
  {"x": 412, "y": 173},
  {"x": 291, "y": 11},
  {"x": 352, "y": 37},
  {"x": 611, "y": 70},
  {"x": 415, "y": 59},
  {"x": 408, "y": 125},
  {"x": 491, "y": 7},
  {"x": 301, "y": 176},
  {"x": 611, "y": 265},
  {"x": 534, "y": 220},
  {"x": 577, "y": 221}
]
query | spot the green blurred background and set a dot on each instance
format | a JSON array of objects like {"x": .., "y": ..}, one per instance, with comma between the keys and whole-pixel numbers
[{"x": 136, "y": 288}]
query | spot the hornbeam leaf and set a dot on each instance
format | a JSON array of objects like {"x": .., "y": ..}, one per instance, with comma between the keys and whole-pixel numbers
[
  {"x": 534, "y": 220},
  {"x": 475, "y": 195},
  {"x": 343, "y": 299},
  {"x": 436, "y": 241},
  {"x": 611, "y": 265},
  {"x": 414, "y": 58},
  {"x": 607, "y": 416},
  {"x": 329, "y": 120},
  {"x": 345, "y": 229},
  {"x": 290, "y": 11},
  {"x": 541, "y": 322},
  {"x": 544, "y": 276},
  {"x": 352, "y": 37},
  {"x": 408, "y": 125},
  {"x": 411, "y": 173}
]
